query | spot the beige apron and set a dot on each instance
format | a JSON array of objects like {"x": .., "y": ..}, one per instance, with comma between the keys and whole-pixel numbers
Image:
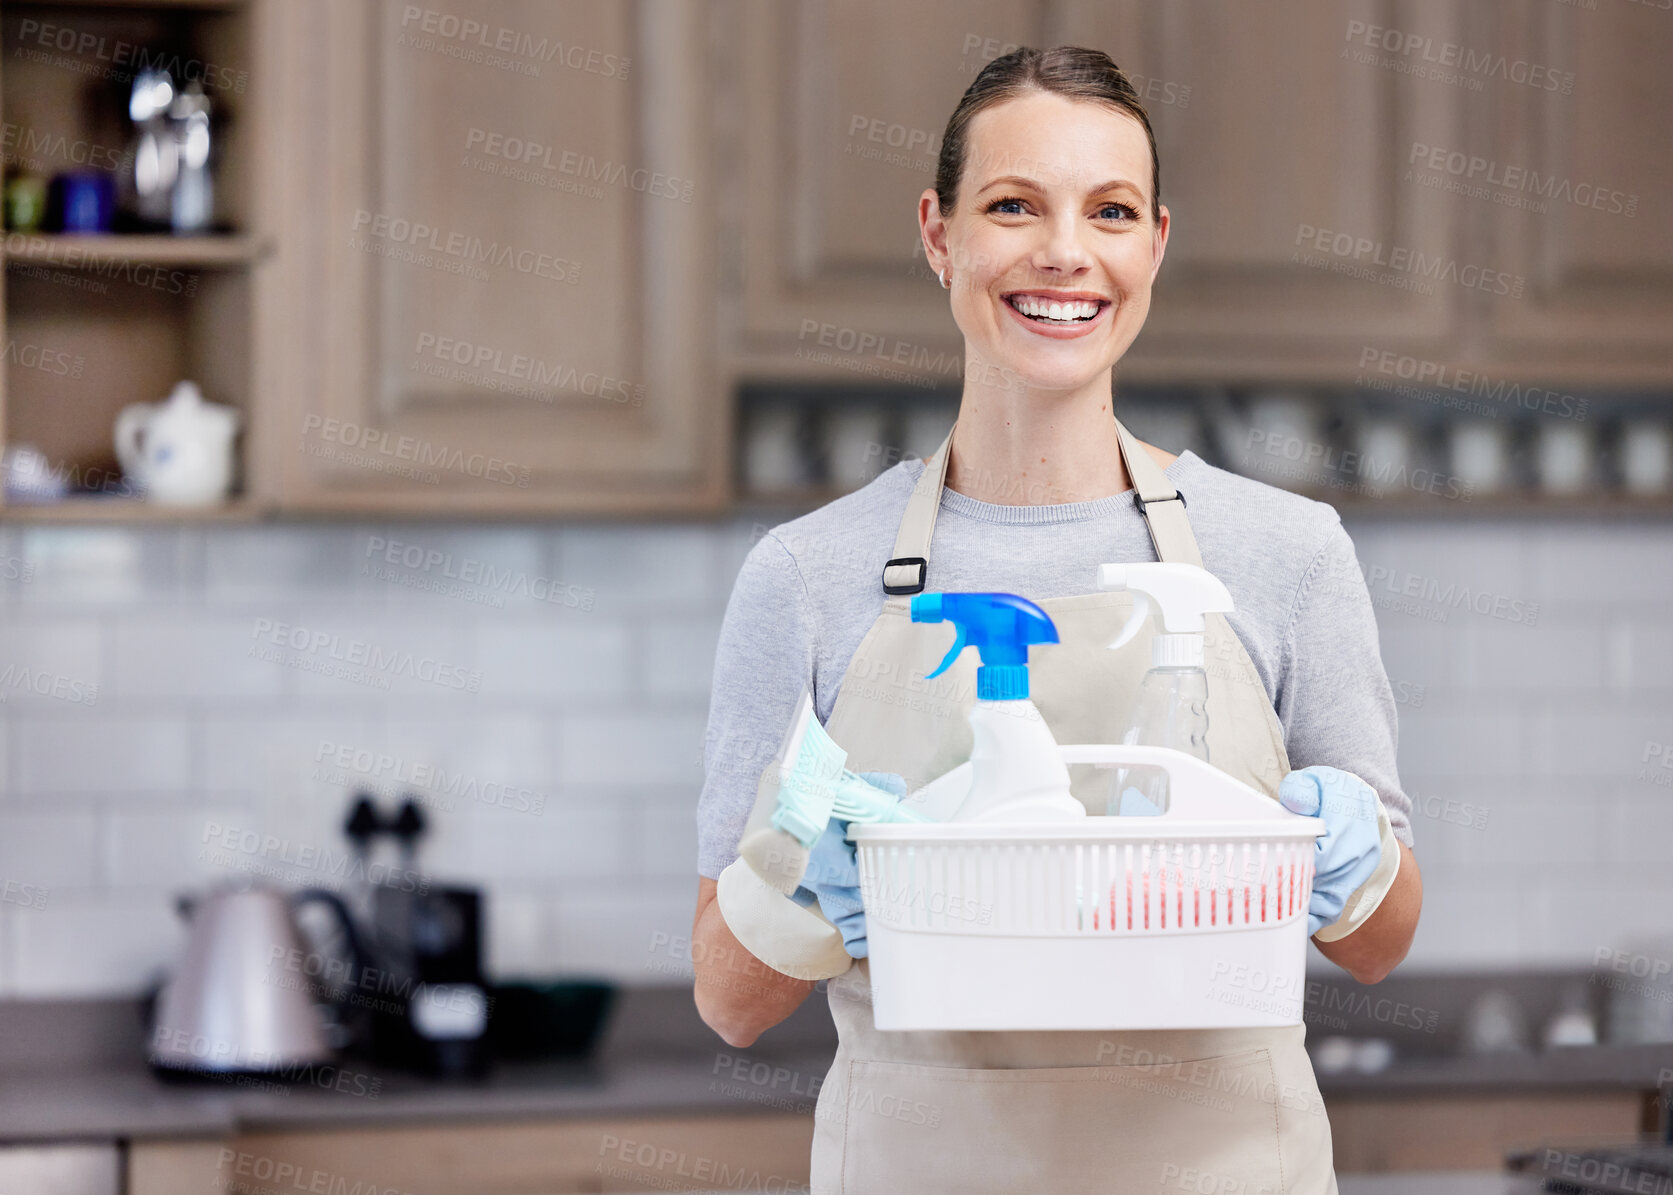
[{"x": 1233, "y": 1110}]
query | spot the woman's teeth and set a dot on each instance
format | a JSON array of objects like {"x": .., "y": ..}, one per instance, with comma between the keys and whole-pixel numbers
[{"x": 1074, "y": 311}]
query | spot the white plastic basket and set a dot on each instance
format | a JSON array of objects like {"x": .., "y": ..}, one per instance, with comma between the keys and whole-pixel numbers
[{"x": 1193, "y": 919}]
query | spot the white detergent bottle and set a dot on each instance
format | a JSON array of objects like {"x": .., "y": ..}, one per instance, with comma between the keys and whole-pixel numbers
[
  {"x": 1171, "y": 708},
  {"x": 1017, "y": 772}
]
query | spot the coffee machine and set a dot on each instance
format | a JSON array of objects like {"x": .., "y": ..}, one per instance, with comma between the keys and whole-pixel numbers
[{"x": 423, "y": 983}]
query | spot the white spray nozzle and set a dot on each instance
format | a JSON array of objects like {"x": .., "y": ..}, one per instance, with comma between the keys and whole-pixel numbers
[{"x": 1183, "y": 593}]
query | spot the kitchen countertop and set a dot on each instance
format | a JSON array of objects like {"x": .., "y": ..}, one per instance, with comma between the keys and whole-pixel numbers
[
  {"x": 655, "y": 1057},
  {"x": 73, "y": 1071}
]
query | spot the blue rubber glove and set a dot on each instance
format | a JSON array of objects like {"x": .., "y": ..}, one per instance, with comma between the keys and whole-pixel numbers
[
  {"x": 833, "y": 874},
  {"x": 1351, "y": 846}
]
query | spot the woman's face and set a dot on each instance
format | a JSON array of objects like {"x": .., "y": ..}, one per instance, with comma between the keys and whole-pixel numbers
[{"x": 1054, "y": 207}]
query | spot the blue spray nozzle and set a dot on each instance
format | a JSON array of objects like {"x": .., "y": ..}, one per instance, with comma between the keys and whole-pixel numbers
[{"x": 1000, "y": 626}]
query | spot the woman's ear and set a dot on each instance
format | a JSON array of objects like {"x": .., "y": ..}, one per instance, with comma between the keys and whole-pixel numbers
[
  {"x": 933, "y": 229},
  {"x": 1159, "y": 243}
]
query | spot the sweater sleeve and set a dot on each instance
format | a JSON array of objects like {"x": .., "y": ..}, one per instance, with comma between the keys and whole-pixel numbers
[
  {"x": 1334, "y": 700},
  {"x": 763, "y": 661}
]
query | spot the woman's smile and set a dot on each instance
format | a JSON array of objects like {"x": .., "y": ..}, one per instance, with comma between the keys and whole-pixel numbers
[{"x": 1056, "y": 314}]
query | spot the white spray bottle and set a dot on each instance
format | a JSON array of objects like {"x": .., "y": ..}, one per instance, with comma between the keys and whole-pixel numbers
[
  {"x": 1171, "y": 708},
  {"x": 1017, "y": 772}
]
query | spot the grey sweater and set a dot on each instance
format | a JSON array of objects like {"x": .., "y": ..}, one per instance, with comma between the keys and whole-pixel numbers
[{"x": 810, "y": 589}]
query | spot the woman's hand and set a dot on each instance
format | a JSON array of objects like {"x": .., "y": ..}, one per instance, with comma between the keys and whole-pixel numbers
[
  {"x": 1351, "y": 846},
  {"x": 833, "y": 874}
]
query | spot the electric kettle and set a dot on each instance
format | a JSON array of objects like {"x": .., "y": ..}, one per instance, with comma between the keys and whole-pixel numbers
[
  {"x": 240, "y": 1001},
  {"x": 178, "y": 452}
]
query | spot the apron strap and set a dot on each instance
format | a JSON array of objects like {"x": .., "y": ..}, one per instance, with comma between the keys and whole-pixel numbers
[
  {"x": 908, "y": 570},
  {"x": 1161, "y": 504}
]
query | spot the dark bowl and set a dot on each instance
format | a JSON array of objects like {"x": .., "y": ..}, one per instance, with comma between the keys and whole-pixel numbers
[{"x": 537, "y": 1020}]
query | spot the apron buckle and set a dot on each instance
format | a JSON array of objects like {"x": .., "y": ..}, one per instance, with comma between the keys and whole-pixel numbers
[
  {"x": 902, "y": 562},
  {"x": 1177, "y": 495}
]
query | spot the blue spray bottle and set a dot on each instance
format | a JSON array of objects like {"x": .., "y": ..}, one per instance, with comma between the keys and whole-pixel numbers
[{"x": 1017, "y": 772}]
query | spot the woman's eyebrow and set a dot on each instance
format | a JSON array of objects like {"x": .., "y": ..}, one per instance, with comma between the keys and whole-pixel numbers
[{"x": 1017, "y": 180}]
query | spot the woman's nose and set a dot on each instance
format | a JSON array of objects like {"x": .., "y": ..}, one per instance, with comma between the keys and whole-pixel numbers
[{"x": 1061, "y": 250}]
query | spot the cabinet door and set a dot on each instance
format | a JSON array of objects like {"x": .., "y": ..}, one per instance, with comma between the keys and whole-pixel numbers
[
  {"x": 1293, "y": 247},
  {"x": 841, "y": 107},
  {"x": 1575, "y": 192},
  {"x": 495, "y": 256},
  {"x": 61, "y": 1169}
]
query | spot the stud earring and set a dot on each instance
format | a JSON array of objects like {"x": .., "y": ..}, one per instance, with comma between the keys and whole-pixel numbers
[{"x": 945, "y": 285}]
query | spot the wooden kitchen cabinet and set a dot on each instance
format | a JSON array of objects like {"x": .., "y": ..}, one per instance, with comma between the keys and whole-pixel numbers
[
  {"x": 1589, "y": 173},
  {"x": 842, "y": 130},
  {"x": 1306, "y": 230},
  {"x": 495, "y": 288},
  {"x": 1433, "y": 1132},
  {"x": 768, "y": 1152}
]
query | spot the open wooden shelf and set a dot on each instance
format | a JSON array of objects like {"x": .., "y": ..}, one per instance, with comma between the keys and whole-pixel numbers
[
  {"x": 70, "y": 252},
  {"x": 131, "y": 511}
]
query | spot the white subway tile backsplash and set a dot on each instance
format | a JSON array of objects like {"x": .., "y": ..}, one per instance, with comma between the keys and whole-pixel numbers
[
  {"x": 149, "y": 656},
  {"x": 1648, "y": 650},
  {"x": 91, "y": 751},
  {"x": 1534, "y": 756},
  {"x": 47, "y": 850},
  {"x": 308, "y": 755},
  {"x": 101, "y": 566},
  {"x": 83, "y": 947},
  {"x": 1570, "y": 654},
  {"x": 628, "y": 749},
  {"x": 664, "y": 838},
  {"x": 178, "y": 850},
  {"x": 50, "y": 663},
  {"x": 573, "y": 655},
  {"x": 266, "y": 564},
  {"x": 652, "y": 570},
  {"x": 628, "y": 932},
  {"x": 1461, "y": 737},
  {"x": 1588, "y": 564},
  {"x": 677, "y": 658},
  {"x": 1596, "y": 743}
]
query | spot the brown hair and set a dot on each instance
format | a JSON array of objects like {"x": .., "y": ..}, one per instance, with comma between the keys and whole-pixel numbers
[{"x": 1070, "y": 71}]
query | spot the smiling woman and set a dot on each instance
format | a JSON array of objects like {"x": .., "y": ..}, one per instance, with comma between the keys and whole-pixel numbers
[{"x": 1046, "y": 226}]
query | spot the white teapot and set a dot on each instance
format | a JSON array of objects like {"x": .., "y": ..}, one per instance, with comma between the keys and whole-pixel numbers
[{"x": 178, "y": 452}]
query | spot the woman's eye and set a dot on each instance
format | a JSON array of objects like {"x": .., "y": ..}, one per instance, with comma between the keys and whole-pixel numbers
[
  {"x": 1128, "y": 213},
  {"x": 999, "y": 203}
]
